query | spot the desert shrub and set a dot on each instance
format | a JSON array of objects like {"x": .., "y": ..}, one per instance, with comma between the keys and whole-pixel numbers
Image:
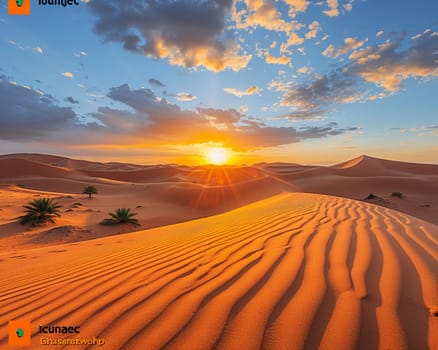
[
  {"x": 121, "y": 216},
  {"x": 89, "y": 190},
  {"x": 40, "y": 211}
]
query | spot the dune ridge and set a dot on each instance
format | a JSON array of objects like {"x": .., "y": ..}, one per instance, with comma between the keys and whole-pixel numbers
[
  {"x": 222, "y": 188},
  {"x": 293, "y": 271}
]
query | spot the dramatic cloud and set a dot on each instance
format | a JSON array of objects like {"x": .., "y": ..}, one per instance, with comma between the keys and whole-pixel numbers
[
  {"x": 28, "y": 114},
  {"x": 349, "y": 44},
  {"x": 147, "y": 120},
  {"x": 189, "y": 34},
  {"x": 71, "y": 100},
  {"x": 385, "y": 66},
  {"x": 156, "y": 83},
  {"x": 159, "y": 122},
  {"x": 239, "y": 93}
]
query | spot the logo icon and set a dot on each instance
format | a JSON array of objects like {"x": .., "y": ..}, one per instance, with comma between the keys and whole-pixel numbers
[
  {"x": 19, "y": 7},
  {"x": 19, "y": 332}
]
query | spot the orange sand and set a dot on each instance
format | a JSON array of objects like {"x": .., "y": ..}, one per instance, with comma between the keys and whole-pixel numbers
[
  {"x": 284, "y": 270},
  {"x": 290, "y": 272}
]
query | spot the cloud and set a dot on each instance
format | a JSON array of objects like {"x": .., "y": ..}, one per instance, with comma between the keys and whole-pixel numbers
[
  {"x": 38, "y": 49},
  {"x": 333, "y": 8},
  {"x": 349, "y": 44},
  {"x": 147, "y": 121},
  {"x": 185, "y": 96},
  {"x": 159, "y": 122},
  {"x": 71, "y": 100},
  {"x": 30, "y": 114},
  {"x": 80, "y": 54},
  {"x": 264, "y": 14},
  {"x": 180, "y": 96},
  {"x": 323, "y": 90},
  {"x": 156, "y": 83},
  {"x": 276, "y": 60},
  {"x": 14, "y": 43},
  {"x": 304, "y": 70},
  {"x": 68, "y": 74},
  {"x": 385, "y": 66},
  {"x": 313, "y": 30},
  {"x": 293, "y": 40},
  {"x": 239, "y": 93},
  {"x": 306, "y": 115},
  {"x": 349, "y": 6},
  {"x": 189, "y": 34},
  {"x": 380, "y": 33},
  {"x": 221, "y": 116},
  {"x": 296, "y": 6}
]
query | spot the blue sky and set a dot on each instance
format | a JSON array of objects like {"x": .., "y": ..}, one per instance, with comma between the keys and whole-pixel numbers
[{"x": 154, "y": 82}]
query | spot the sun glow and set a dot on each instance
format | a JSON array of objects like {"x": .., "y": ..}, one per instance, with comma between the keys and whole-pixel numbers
[{"x": 217, "y": 155}]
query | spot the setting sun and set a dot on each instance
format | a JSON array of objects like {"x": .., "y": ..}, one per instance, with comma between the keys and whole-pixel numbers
[{"x": 217, "y": 155}]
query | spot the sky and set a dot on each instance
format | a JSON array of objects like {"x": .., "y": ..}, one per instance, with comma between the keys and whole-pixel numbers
[{"x": 151, "y": 82}]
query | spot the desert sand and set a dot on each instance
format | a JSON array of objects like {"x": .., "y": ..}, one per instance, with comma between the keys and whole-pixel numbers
[{"x": 226, "y": 257}]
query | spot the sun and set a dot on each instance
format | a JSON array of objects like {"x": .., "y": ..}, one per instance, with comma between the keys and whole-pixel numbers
[{"x": 217, "y": 155}]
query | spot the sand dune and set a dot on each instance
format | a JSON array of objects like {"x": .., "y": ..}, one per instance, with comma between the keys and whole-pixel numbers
[
  {"x": 167, "y": 194},
  {"x": 295, "y": 271}
]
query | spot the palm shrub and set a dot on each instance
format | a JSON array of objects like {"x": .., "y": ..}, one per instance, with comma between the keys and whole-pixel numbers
[
  {"x": 90, "y": 190},
  {"x": 39, "y": 211},
  {"x": 121, "y": 216}
]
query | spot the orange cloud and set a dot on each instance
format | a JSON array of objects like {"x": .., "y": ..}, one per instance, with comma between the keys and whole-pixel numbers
[
  {"x": 263, "y": 13},
  {"x": 349, "y": 44},
  {"x": 313, "y": 30},
  {"x": 386, "y": 66},
  {"x": 296, "y": 6},
  {"x": 293, "y": 40},
  {"x": 68, "y": 75},
  {"x": 333, "y": 8},
  {"x": 239, "y": 93},
  {"x": 276, "y": 60}
]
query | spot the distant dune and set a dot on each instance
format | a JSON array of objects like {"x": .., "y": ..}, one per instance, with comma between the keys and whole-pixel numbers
[
  {"x": 293, "y": 271},
  {"x": 166, "y": 194}
]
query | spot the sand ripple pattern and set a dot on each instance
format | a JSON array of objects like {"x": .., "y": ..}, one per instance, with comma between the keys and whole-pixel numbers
[{"x": 295, "y": 271}]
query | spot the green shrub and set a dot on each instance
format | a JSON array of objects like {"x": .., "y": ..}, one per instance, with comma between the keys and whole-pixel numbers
[
  {"x": 39, "y": 211},
  {"x": 90, "y": 190},
  {"x": 121, "y": 216}
]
